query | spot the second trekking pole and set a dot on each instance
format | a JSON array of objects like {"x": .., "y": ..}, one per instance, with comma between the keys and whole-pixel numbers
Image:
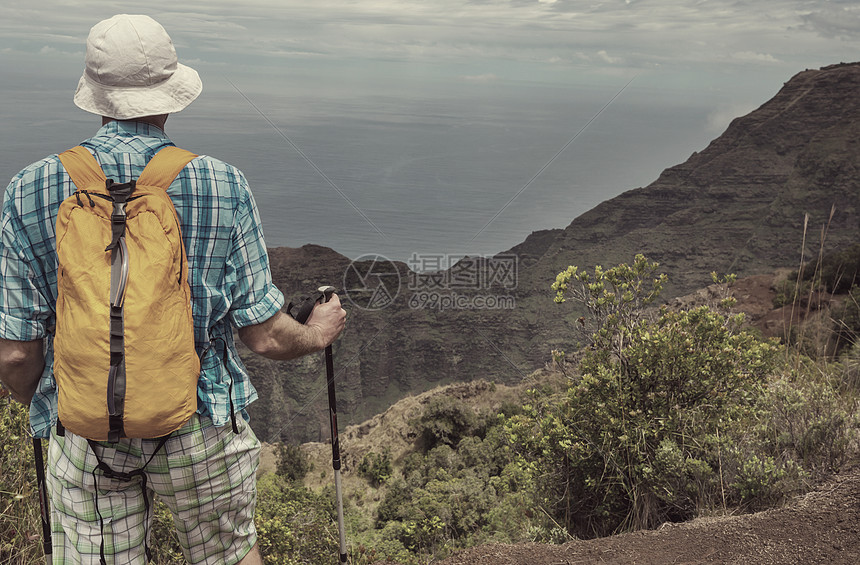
[
  {"x": 43, "y": 499},
  {"x": 335, "y": 443}
]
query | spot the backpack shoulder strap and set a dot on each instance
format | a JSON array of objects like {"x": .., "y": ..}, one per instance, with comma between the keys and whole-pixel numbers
[
  {"x": 164, "y": 166},
  {"x": 82, "y": 167}
]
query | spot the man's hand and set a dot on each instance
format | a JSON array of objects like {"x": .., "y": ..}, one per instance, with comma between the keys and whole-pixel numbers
[
  {"x": 281, "y": 337},
  {"x": 21, "y": 365},
  {"x": 329, "y": 319}
]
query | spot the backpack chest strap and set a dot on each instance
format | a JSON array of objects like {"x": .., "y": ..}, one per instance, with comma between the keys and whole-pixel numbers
[{"x": 161, "y": 170}]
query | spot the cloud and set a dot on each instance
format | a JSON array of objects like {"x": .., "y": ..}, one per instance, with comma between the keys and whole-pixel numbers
[
  {"x": 484, "y": 78},
  {"x": 752, "y": 57},
  {"x": 840, "y": 20},
  {"x": 605, "y": 57},
  {"x": 639, "y": 35}
]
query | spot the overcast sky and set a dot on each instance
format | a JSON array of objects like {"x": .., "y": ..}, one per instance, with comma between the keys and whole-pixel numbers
[
  {"x": 729, "y": 56},
  {"x": 494, "y": 40}
]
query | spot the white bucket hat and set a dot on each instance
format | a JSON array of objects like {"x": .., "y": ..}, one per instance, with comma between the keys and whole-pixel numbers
[{"x": 132, "y": 71}]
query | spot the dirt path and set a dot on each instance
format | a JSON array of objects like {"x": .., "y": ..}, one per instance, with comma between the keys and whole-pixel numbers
[{"x": 820, "y": 527}]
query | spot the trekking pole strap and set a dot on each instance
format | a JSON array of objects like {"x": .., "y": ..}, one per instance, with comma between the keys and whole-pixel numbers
[
  {"x": 305, "y": 308},
  {"x": 225, "y": 360}
]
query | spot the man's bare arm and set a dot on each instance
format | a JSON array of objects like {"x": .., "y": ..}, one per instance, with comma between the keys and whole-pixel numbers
[
  {"x": 281, "y": 337},
  {"x": 21, "y": 365}
]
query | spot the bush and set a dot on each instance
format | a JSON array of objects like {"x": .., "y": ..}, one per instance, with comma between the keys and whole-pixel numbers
[
  {"x": 163, "y": 539},
  {"x": 294, "y": 525},
  {"x": 292, "y": 463},
  {"x": 757, "y": 479},
  {"x": 806, "y": 419},
  {"x": 445, "y": 421},
  {"x": 848, "y": 318},
  {"x": 639, "y": 436},
  {"x": 454, "y": 496},
  {"x": 375, "y": 468},
  {"x": 836, "y": 271}
]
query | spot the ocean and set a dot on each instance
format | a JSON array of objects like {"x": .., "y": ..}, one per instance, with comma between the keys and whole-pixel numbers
[{"x": 471, "y": 169}]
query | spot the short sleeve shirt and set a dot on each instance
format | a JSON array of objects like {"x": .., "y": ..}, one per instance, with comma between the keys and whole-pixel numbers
[{"x": 229, "y": 272}]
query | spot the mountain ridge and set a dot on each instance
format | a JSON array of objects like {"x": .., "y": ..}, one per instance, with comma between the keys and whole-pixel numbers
[{"x": 799, "y": 145}]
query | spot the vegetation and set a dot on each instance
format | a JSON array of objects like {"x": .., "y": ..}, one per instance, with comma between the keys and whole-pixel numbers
[
  {"x": 20, "y": 529},
  {"x": 453, "y": 493},
  {"x": 375, "y": 468},
  {"x": 292, "y": 463},
  {"x": 664, "y": 415},
  {"x": 826, "y": 294},
  {"x": 809, "y": 289},
  {"x": 294, "y": 525},
  {"x": 673, "y": 414},
  {"x": 833, "y": 272}
]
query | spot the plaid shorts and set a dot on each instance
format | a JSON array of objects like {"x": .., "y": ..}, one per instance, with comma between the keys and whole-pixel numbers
[{"x": 204, "y": 474}]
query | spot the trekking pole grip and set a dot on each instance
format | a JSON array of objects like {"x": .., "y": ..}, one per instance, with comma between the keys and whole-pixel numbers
[{"x": 326, "y": 292}]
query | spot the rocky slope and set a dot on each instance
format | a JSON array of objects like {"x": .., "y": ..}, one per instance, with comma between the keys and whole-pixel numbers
[{"x": 756, "y": 199}]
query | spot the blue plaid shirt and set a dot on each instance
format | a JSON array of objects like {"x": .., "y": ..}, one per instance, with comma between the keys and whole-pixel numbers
[{"x": 229, "y": 273}]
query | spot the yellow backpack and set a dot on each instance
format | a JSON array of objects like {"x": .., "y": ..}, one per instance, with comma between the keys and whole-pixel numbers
[{"x": 124, "y": 356}]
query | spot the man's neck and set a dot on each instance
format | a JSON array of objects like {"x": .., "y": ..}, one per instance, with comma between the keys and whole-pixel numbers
[{"x": 157, "y": 121}]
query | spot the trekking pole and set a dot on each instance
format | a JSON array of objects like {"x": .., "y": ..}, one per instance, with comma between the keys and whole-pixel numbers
[
  {"x": 43, "y": 499},
  {"x": 335, "y": 443}
]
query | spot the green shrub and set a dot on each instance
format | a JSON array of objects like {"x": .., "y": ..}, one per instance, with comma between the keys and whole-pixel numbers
[
  {"x": 805, "y": 418},
  {"x": 445, "y": 421},
  {"x": 836, "y": 271},
  {"x": 637, "y": 440},
  {"x": 756, "y": 479},
  {"x": 164, "y": 540},
  {"x": 454, "y": 496},
  {"x": 848, "y": 317},
  {"x": 294, "y": 525},
  {"x": 395, "y": 504},
  {"x": 292, "y": 463},
  {"x": 375, "y": 468}
]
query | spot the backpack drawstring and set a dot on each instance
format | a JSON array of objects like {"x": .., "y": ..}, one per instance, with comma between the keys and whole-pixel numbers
[{"x": 124, "y": 477}]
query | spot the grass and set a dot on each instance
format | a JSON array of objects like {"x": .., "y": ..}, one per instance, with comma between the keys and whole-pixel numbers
[{"x": 20, "y": 524}]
